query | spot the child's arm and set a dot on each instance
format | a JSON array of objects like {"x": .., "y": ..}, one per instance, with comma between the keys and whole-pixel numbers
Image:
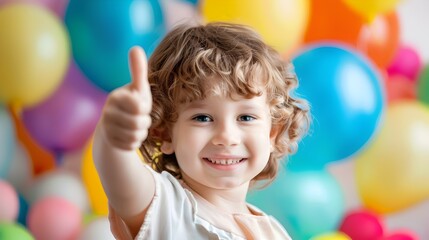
[{"x": 124, "y": 124}]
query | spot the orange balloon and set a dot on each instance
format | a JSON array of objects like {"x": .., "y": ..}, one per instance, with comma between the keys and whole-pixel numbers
[
  {"x": 380, "y": 39},
  {"x": 42, "y": 160},
  {"x": 332, "y": 20}
]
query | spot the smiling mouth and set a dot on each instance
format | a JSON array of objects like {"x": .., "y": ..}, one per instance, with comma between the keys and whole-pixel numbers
[{"x": 225, "y": 161}]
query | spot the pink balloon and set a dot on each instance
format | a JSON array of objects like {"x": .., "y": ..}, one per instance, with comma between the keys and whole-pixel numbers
[
  {"x": 58, "y": 7},
  {"x": 362, "y": 225},
  {"x": 67, "y": 119},
  {"x": 9, "y": 202},
  {"x": 402, "y": 235},
  {"x": 407, "y": 62},
  {"x": 54, "y": 218}
]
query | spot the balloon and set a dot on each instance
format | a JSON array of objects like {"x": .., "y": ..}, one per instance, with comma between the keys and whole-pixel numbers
[
  {"x": 56, "y": 6},
  {"x": 59, "y": 184},
  {"x": 347, "y": 103},
  {"x": 306, "y": 203},
  {"x": 21, "y": 171},
  {"x": 332, "y": 20},
  {"x": 23, "y": 210},
  {"x": 54, "y": 218},
  {"x": 371, "y": 8},
  {"x": 102, "y": 32},
  {"x": 65, "y": 121},
  {"x": 407, "y": 62},
  {"x": 401, "y": 235},
  {"x": 281, "y": 23},
  {"x": 7, "y": 141},
  {"x": 400, "y": 88},
  {"x": 332, "y": 236},
  {"x": 41, "y": 159},
  {"x": 34, "y": 54},
  {"x": 9, "y": 206},
  {"x": 14, "y": 231},
  {"x": 98, "y": 228},
  {"x": 362, "y": 225},
  {"x": 423, "y": 86},
  {"x": 397, "y": 160},
  {"x": 92, "y": 183},
  {"x": 193, "y": 2},
  {"x": 380, "y": 39}
]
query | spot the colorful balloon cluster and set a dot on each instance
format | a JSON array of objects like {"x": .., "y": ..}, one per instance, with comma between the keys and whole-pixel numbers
[{"x": 368, "y": 91}]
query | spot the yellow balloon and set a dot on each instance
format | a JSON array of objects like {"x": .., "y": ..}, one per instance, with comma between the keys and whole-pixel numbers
[
  {"x": 97, "y": 197},
  {"x": 34, "y": 53},
  {"x": 392, "y": 173},
  {"x": 281, "y": 23},
  {"x": 331, "y": 236},
  {"x": 369, "y": 9}
]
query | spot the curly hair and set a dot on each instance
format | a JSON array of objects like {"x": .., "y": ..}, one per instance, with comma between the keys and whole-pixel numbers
[{"x": 242, "y": 64}]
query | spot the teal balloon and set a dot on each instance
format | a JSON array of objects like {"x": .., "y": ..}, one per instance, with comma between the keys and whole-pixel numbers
[
  {"x": 7, "y": 141},
  {"x": 14, "y": 231},
  {"x": 306, "y": 203},
  {"x": 23, "y": 210},
  {"x": 347, "y": 104},
  {"x": 102, "y": 32}
]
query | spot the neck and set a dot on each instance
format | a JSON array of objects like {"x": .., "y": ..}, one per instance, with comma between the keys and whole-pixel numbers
[{"x": 231, "y": 200}]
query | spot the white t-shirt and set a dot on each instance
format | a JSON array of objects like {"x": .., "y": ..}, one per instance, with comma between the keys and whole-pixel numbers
[{"x": 178, "y": 213}]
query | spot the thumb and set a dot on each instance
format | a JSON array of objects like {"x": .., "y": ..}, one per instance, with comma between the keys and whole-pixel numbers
[{"x": 138, "y": 69}]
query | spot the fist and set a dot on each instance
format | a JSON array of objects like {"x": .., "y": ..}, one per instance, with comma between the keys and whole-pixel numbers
[{"x": 126, "y": 115}]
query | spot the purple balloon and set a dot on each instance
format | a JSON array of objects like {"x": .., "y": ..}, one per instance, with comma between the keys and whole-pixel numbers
[
  {"x": 65, "y": 121},
  {"x": 58, "y": 7}
]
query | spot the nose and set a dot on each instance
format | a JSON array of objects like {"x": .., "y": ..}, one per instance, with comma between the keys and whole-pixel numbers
[{"x": 226, "y": 134}]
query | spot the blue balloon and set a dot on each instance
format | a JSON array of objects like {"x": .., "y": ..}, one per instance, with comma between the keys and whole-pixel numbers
[
  {"x": 306, "y": 203},
  {"x": 193, "y": 2},
  {"x": 102, "y": 32},
  {"x": 7, "y": 141},
  {"x": 347, "y": 104}
]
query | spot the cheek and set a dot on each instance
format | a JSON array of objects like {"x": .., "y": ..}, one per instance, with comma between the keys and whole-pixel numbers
[{"x": 186, "y": 141}]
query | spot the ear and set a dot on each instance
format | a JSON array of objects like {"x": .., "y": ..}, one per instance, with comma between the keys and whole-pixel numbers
[{"x": 167, "y": 147}]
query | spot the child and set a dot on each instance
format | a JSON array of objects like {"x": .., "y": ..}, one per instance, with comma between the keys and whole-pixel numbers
[{"x": 212, "y": 113}]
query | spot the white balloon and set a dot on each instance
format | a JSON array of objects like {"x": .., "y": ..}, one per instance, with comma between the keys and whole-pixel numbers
[
  {"x": 21, "y": 169},
  {"x": 59, "y": 183},
  {"x": 97, "y": 229}
]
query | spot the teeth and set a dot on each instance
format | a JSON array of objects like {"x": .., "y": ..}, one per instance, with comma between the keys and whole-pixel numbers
[{"x": 224, "y": 161}]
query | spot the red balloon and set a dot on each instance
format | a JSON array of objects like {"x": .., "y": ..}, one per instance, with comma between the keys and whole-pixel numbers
[
  {"x": 362, "y": 225},
  {"x": 399, "y": 88},
  {"x": 402, "y": 235}
]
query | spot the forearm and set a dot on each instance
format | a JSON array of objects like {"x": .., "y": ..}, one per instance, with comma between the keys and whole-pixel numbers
[{"x": 126, "y": 181}]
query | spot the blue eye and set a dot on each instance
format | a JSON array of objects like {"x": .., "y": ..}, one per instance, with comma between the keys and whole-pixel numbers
[
  {"x": 246, "y": 118},
  {"x": 202, "y": 118}
]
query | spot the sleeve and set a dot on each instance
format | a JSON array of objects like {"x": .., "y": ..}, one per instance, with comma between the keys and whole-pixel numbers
[{"x": 169, "y": 210}]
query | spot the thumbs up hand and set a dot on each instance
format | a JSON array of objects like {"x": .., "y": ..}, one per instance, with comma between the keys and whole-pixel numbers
[{"x": 126, "y": 115}]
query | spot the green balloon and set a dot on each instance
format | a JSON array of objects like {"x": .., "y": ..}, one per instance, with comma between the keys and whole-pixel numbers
[
  {"x": 423, "y": 86},
  {"x": 14, "y": 231}
]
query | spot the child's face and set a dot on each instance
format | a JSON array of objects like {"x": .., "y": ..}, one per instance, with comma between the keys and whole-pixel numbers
[{"x": 222, "y": 143}]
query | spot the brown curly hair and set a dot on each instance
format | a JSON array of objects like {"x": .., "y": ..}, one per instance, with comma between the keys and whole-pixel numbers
[{"x": 242, "y": 63}]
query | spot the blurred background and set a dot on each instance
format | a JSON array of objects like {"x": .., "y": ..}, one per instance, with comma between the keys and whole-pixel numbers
[{"x": 362, "y": 172}]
